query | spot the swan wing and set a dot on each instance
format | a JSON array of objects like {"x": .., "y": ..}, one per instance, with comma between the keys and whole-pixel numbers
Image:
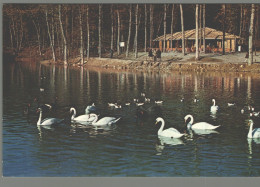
[
  {"x": 171, "y": 133},
  {"x": 50, "y": 121},
  {"x": 105, "y": 121},
  {"x": 256, "y": 133},
  {"x": 203, "y": 125},
  {"x": 82, "y": 118}
]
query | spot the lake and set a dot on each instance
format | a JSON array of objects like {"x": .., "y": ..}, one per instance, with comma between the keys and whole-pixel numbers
[{"x": 131, "y": 147}]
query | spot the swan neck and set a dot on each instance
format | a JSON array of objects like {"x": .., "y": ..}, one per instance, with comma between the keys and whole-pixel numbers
[
  {"x": 162, "y": 126},
  {"x": 214, "y": 102},
  {"x": 96, "y": 118},
  {"x": 249, "y": 135},
  {"x": 40, "y": 118},
  {"x": 74, "y": 113},
  {"x": 190, "y": 123}
]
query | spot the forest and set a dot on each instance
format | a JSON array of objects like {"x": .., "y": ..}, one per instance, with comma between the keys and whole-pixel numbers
[{"x": 62, "y": 31}]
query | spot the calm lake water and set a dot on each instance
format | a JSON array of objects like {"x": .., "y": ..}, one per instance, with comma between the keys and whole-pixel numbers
[{"x": 131, "y": 147}]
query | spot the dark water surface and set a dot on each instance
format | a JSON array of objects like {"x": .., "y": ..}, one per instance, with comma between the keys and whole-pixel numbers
[{"x": 131, "y": 147}]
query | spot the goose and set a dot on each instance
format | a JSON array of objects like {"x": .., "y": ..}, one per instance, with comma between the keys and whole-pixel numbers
[
  {"x": 214, "y": 107},
  {"x": 81, "y": 118},
  {"x": 90, "y": 109},
  {"x": 200, "y": 125},
  {"x": 48, "y": 121},
  {"x": 104, "y": 121},
  {"x": 253, "y": 133},
  {"x": 170, "y": 133}
]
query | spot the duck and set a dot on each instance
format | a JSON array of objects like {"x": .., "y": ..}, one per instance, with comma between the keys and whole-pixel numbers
[
  {"x": 81, "y": 118},
  {"x": 170, "y": 132},
  {"x": 42, "y": 89},
  {"x": 253, "y": 133},
  {"x": 256, "y": 114},
  {"x": 214, "y": 108},
  {"x": 231, "y": 104},
  {"x": 112, "y": 104},
  {"x": 104, "y": 121},
  {"x": 48, "y": 121},
  {"x": 139, "y": 104},
  {"x": 199, "y": 125}
]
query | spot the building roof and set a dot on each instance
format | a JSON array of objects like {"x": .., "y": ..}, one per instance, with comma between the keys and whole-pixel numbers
[{"x": 210, "y": 34}]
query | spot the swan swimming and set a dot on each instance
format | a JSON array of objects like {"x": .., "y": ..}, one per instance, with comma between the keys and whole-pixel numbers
[
  {"x": 104, "y": 121},
  {"x": 253, "y": 133},
  {"x": 81, "y": 118},
  {"x": 199, "y": 125},
  {"x": 214, "y": 107},
  {"x": 48, "y": 121},
  {"x": 170, "y": 133}
]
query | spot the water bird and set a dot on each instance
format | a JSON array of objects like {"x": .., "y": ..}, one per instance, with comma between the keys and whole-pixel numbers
[
  {"x": 135, "y": 100},
  {"x": 253, "y": 133},
  {"x": 143, "y": 94},
  {"x": 127, "y": 104},
  {"x": 48, "y": 121},
  {"x": 104, "y": 121},
  {"x": 170, "y": 132},
  {"x": 182, "y": 99},
  {"x": 256, "y": 114},
  {"x": 81, "y": 118},
  {"x": 231, "y": 104},
  {"x": 112, "y": 104},
  {"x": 214, "y": 108},
  {"x": 118, "y": 106},
  {"x": 147, "y": 100},
  {"x": 158, "y": 102},
  {"x": 42, "y": 89},
  {"x": 139, "y": 104},
  {"x": 199, "y": 125},
  {"x": 196, "y": 100}
]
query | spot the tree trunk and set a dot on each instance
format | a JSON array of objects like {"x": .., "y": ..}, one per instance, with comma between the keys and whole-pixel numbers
[
  {"x": 204, "y": 25},
  {"x": 11, "y": 36},
  {"x": 164, "y": 29},
  {"x": 151, "y": 26},
  {"x": 118, "y": 32},
  {"x": 129, "y": 30},
  {"x": 99, "y": 30},
  {"x": 197, "y": 32},
  {"x": 21, "y": 29},
  {"x": 172, "y": 25},
  {"x": 50, "y": 37},
  {"x": 136, "y": 30},
  {"x": 251, "y": 33},
  {"x": 224, "y": 29},
  {"x": 112, "y": 28},
  {"x": 200, "y": 29},
  {"x": 64, "y": 38},
  {"x": 241, "y": 20},
  {"x": 38, "y": 36},
  {"x": 145, "y": 28},
  {"x": 88, "y": 32},
  {"x": 182, "y": 30},
  {"x": 81, "y": 38}
]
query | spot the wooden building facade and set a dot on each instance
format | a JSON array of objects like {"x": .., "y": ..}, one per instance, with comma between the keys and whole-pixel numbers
[{"x": 213, "y": 40}]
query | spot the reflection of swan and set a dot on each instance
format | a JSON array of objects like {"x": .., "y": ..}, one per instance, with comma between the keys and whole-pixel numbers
[
  {"x": 200, "y": 125},
  {"x": 104, "y": 121},
  {"x": 81, "y": 118},
  {"x": 253, "y": 133},
  {"x": 204, "y": 131},
  {"x": 48, "y": 121},
  {"x": 170, "y": 133},
  {"x": 168, "y": 141},
  {"x": 214, "y": 107}
]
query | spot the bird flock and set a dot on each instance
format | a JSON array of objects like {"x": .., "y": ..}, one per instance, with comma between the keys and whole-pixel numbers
[{"x": 92, "y": 118}]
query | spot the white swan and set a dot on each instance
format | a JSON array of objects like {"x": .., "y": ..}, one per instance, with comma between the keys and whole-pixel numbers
[
  {"x": 81, "y": 118},
  {"x": 214, "y": 107},
  {"x": 104, "y": 121},
  {"x": 200, "y": 125},
  {"x": 48, "y": 121},
  {"x": 170, "y": 133},
  {"x": 253, "y": 133}
]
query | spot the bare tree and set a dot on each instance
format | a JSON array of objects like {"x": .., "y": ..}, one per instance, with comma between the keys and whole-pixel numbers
[
  {"x": 50, "y": 37},
  {"x": 151, "y": 26},
  {"x": 99, "y": 29},
  {"x": 81, "y": 37},
  {"x": 64, "y": 38},
  {"x": 88, "y": 31},
  {"x": 136, "y": 31},
  {"x": 224, "y": 28},
  {"x": 197, "y": 32},
  {"x": 129, "y": 30},
  {"x": 172, "y": 25},
  {"x": 182, "y": 30},
  {"x": 38, "y": 29},
  {"x": 118, "y": 32},
  {"x": 251, "y": 34},
  {"x": 204, "y": 25},
  {"x": 145, "y": 28},
  {"x": 112, "y": 28},
  {"x": 164, "y": 30}
]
